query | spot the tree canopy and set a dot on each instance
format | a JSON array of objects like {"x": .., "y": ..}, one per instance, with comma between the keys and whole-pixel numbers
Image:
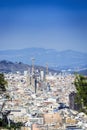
[
  {"x": 3, "y": 83},
  {"x": 81, "y": 87}
]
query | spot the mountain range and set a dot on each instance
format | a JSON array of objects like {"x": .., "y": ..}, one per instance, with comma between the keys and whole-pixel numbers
[{"x": 57, "y": 60}]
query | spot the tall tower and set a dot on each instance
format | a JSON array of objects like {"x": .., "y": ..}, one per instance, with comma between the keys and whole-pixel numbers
[
  {"x": 47, "y": 69},
  {"x": 33, "y": 65},
  {"x": 28, "y": 77},
  {"x": 35, "y": 85}
]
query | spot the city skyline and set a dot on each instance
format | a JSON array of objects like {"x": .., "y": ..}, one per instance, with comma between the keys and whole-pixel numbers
[{"x": 50, "y": 24}]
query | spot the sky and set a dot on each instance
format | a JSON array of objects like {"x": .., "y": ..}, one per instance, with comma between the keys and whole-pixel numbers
[{"x": 50, "y": 24}]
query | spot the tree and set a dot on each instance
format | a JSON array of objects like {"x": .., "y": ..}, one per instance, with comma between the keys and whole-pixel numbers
[
  {"x": 81, "y": 87},
  {"x": 3, "y": 83},
  {"x": 4, "y": 115},
  {"x": 4, "y": 121}
]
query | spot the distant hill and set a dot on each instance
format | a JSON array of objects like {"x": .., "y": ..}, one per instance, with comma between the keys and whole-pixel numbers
[
  {"x": 83, "y": 72},
  {"x": 8, "y": 66},
  {"x": 68, "y": 59}
]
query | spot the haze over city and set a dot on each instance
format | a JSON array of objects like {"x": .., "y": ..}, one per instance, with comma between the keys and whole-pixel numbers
[{"x": 55, "y": 24}]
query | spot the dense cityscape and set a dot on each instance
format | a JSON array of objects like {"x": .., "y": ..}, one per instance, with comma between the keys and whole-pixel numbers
[{"x": 42, "y": 101}]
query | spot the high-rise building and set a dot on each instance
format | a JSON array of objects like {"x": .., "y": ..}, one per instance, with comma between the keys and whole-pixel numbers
[{"x": 72, "y": 102}]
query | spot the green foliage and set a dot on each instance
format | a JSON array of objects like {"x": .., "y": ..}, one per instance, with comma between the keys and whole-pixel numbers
[
  {"x": 3, "y": 83},
  {"x": 3, "y": 120},
  {"x": 12, "y": 125},
  {"x": 81, "y": 87},
  {"x": 15, "y": 126}
]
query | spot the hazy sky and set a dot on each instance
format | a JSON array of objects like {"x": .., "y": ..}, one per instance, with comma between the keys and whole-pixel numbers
[{"x": 56, "y": 24}]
